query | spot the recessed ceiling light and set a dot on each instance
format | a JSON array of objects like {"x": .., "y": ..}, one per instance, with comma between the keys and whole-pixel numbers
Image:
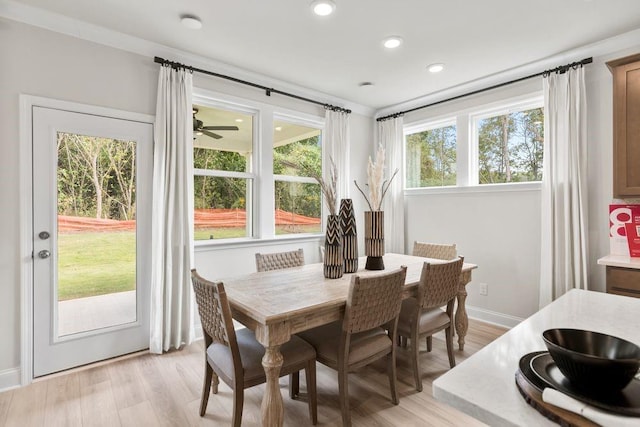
[
  {"x": 279, "y": 128},
  {"x": 435, "y": 68},
  {"x": 191, "y": 22},
  {"x": 198, "y": 133},
  {"x": 323, "y": 7},
  {"x": 392, "y": 42},
  {"x": 238, "y": 120}
]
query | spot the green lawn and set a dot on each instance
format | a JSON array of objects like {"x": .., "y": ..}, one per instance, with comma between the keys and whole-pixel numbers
[
  {"x": 233, "y": 232},
  {"x": 95, "y": 263}
]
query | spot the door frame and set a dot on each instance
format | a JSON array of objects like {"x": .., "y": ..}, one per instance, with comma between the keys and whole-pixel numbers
[{"x": 27, "y": 102}]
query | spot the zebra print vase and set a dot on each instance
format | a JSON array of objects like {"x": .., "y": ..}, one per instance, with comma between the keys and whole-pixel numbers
[
  {"x": 333, "y": 261},
  {"x": 349, "y": 236},
  {"x": 374, "y": 239}
]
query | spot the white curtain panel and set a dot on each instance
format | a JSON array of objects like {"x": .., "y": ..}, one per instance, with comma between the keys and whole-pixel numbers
[
  {"x": 564, "y": 191},
  {"x": 390, "y": 136},
  {"x": 336, "y": 141},
  {"x": 172, "y": 241}
]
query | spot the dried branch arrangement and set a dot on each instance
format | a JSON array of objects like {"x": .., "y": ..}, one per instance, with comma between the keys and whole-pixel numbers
[
  {"x": 375, "y": 181},
  {"x": 329, "y": 190}
]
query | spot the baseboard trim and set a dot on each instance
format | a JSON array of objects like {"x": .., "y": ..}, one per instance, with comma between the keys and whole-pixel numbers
[
  {"x": 9, "y": 378},
  {"x": 500, "y": 319}
]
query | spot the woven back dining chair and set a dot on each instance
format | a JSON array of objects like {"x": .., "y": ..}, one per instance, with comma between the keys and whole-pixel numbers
[
  {"x": 434, "y": 250},
  {"x": 279, "y": 260},
  {"x": 366, "y": 333},
  {"x": 236, "y": 356},
  {"x": 422, "y": 316}
]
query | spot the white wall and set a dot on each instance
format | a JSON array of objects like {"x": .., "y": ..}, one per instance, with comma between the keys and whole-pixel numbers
[
  {"x": 500, "y": 230},
  {"x": 43, "y": 63}
]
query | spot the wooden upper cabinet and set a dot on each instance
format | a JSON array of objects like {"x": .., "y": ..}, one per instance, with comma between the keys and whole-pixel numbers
[{"x": 626, "y": 126}]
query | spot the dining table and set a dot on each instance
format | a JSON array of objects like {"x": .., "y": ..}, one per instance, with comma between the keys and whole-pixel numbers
[
  {"x": 484, "y": 385},
  {"x": 279, "y": 303}
]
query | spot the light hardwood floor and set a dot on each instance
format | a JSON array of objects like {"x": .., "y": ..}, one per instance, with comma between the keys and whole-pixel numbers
[{"x": 151, "y": 390}]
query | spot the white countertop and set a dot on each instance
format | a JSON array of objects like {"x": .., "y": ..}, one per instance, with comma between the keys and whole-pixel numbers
[
  {"x": 483, "y": 386},
  {"x": 620, "y": 261}
]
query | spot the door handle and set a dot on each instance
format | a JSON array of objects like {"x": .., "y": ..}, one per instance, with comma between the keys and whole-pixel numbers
[
  {"x": 44, "y": 254},
  {"x": 43, "y": 235}
]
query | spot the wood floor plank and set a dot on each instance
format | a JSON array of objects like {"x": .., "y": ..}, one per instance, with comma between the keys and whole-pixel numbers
[
  {"x": 27, "y": 406},
  {"x": 141, "y": 414},
  {"x": 152, "y": 390},
  {"x": 63, "y": 406},
  {"x": 96, "y": 399},
  {"x": 127, "y": 383},
  {"x": 5, "y": 401},
  {"x": 168, "y": 409}
]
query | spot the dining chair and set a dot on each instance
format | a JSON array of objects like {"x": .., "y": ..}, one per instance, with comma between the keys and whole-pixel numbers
[
  {"x": 437, "y": 251},
  {"x": 434, "y": 250},
  {"x": 278, "y": 260},
  {"x": 366, "y": 333},
  {"x": 236, "y": 356},
  {"x": 423, "y": 316}
]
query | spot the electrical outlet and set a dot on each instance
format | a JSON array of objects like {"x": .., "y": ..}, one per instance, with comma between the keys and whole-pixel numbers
[{"x": 484, "y": 289}]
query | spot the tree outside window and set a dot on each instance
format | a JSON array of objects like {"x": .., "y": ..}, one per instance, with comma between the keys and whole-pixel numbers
[
  {"x": 431, "y": 157},
  {"x": 510, "y": 147}
]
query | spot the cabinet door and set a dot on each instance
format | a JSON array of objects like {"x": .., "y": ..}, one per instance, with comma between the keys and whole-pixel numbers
[{"x": 626, "y": 126}]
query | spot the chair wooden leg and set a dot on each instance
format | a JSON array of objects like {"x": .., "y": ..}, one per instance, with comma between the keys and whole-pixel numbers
[
  {"x": 214, "y": 383},
  {"x": 238, "y": 403},
  {"x": 429, "y": 342},
  {"x": 343, "y": 387},
  {"x": 414, "y": 361},
  {"x": 294, "y": 384},
  {"x": 449, "y": 336},
  {"x": 391, "y": 369},
  {"x": 206, "y": 387},
  {"x": 310, "y": 373}
]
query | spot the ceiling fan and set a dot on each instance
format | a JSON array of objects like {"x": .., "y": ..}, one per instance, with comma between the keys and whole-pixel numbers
[{"x": 198, "y": 126}]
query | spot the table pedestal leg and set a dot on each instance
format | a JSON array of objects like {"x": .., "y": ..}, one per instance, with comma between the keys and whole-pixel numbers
[
  {"x": 462, "y": 321},
  {"x": 272, "y": 406}
]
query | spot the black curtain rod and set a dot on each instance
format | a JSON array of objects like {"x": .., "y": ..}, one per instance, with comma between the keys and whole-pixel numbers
[
  {"x": 268, "y": 90},
  {"x": 560, "y": 69}
]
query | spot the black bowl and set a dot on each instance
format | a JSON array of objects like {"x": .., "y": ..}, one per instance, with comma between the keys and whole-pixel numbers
[{"x": 591, "y": 360}]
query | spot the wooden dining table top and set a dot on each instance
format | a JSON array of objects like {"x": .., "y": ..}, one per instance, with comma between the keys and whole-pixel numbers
[{"x": 279, "y": 295}]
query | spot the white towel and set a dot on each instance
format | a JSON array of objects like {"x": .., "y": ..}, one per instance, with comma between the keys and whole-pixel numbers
[{"x": 605, "y": 419}]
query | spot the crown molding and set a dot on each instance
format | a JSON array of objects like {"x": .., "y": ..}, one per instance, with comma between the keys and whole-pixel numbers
[
  {"x": 83, "y": 30},
  {"x": 600, "y": 51}
]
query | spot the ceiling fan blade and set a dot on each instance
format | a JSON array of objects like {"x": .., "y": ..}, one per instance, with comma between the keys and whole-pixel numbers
[
  {"x": 211, "y": 134},
  {"x": 220, "y": 127}
]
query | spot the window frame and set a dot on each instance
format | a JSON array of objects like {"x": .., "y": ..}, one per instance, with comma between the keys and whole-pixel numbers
[
  {"x": 496, "y": 110},
  {"x": 308, "y": 121},
  {"x": 261, "y": 205},
  {"x": 422, "y": 127},
  {"x": 467, "y": 167}
]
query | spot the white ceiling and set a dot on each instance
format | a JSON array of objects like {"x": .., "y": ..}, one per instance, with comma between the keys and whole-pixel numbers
[{"x": 284, "y": 40}]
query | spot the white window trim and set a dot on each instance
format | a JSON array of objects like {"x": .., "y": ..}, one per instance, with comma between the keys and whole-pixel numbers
[
  {"x": 509, "y": 106},
  {"x": 465, "y": 121},
  {"x": 422, "y": 127},
  {"x": 261, "y": 208}
]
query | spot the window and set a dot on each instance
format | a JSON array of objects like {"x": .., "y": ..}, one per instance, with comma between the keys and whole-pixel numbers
[
  {"x": 297, "y": 195},
  {"x": 431, "y": 156},
  {"x": 254, "y": 169},
  {"x": 510, "y": 145},
  {"x": 223, "y": 176},
  {"x": 500, "y": 145}
]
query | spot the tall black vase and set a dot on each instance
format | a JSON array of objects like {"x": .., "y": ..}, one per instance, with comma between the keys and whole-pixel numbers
[
  {"x": 349, "y": 236},
  {"x": 333, "y": 261},
  {"x": 374, "y": 239}
]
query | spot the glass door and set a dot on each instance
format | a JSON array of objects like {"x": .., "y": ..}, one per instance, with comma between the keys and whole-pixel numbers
[{"x": 91, "y": 188}]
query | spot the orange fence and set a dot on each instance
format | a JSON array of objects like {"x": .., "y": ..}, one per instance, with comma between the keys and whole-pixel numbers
[{"x": 203, "y": 218}]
